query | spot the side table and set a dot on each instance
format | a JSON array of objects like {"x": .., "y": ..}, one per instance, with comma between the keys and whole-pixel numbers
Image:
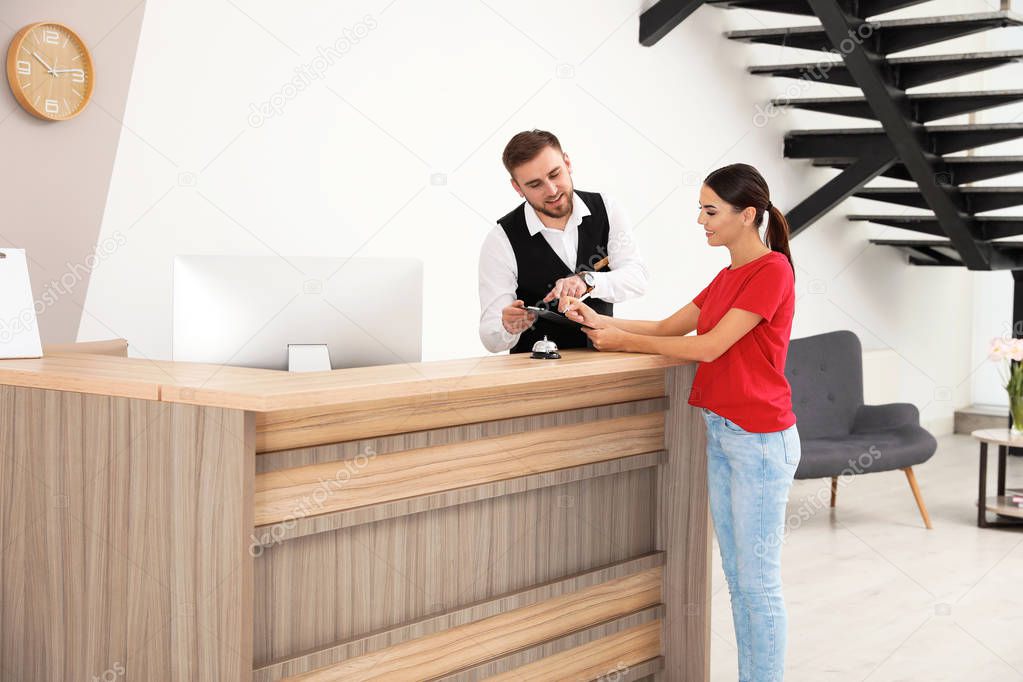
[{"x": 998, "y": 504}]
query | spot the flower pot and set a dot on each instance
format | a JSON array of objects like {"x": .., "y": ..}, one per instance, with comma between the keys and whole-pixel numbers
[{"x": 1016, "y": 412}]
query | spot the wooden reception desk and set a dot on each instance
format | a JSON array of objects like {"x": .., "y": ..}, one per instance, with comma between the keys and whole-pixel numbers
[{"x": 495, "y": 518}]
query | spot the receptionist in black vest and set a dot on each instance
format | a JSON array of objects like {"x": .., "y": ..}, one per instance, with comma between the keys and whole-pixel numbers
[{"x": 547, "y": 247}]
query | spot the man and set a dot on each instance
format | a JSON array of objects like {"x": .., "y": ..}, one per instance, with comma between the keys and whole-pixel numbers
[{"x": 547, "y": 248}]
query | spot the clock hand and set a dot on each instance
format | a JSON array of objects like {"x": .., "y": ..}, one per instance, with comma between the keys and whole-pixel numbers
[
  {"x": 49, "y": 68},
  {"x": 68, "y": 71}
]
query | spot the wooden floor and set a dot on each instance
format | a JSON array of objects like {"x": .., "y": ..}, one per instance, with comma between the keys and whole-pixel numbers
[{"x": 873, "y": 596}]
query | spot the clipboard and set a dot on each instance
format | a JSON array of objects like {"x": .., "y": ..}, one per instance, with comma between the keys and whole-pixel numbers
[
  {"x": 19, "y": 329},
  {"x": 555, "y": 316}
]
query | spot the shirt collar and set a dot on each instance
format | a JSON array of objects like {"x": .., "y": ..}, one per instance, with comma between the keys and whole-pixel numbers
[{"x": 579, "y": 211}]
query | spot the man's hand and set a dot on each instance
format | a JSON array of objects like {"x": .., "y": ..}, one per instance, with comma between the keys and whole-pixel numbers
[
  {"x": 567, "y": 286},
  {"x": 516, "y": 318}
]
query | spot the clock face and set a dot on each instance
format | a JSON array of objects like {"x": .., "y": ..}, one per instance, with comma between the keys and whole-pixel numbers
[{"x": 50, "y": 71}]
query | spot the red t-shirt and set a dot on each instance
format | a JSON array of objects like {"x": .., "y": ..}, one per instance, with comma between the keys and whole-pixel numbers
[{"x": 747, "y": 383}]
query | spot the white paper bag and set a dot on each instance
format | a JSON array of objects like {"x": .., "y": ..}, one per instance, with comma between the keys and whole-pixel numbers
[{"x": 19, "y": 331}]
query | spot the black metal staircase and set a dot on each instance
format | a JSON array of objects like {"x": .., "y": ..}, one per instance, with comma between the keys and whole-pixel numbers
[{"x": 906, "y": 146}]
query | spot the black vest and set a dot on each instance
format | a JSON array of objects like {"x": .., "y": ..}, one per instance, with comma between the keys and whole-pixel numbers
[{"x": 539, "y": 267}]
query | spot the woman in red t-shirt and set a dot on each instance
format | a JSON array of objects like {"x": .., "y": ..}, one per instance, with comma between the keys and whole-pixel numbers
[{"x": 743, "y": 320}]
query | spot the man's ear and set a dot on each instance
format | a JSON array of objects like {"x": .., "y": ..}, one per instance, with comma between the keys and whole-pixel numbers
[
  {"x": 568, "y": 161},
  {"x": 516, "y": 187}
]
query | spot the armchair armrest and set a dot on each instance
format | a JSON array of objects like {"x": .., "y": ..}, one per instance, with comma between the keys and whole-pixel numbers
[{"x": 880, "y": 417}]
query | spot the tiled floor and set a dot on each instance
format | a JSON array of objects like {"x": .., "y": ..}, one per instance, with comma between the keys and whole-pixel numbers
[{"x": 873, "y": 595}]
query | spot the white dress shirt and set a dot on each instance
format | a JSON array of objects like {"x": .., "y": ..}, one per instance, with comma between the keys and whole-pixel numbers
[{"x": 499, "y": 277}]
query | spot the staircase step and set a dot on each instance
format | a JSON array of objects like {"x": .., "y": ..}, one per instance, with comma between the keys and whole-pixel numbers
[
  {"x": 801, "y": 7},
  {"x": 984, "y": 228},
  {"x": 939, "y": 140},
  {"x": 925, "y": 106},
  {"x": 885, "y": 36},
  {"x": 960, "y": 169},
  {"x": 942, "y": 252},
  {"x": 866, "y": 8},
  {"x": 925, "y": 252},
  {"x": 902, "y": 72},
  {"x": 969, "y": 200}
]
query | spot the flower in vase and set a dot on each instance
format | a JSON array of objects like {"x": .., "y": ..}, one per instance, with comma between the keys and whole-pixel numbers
[{"x": 1001, "y": 350}]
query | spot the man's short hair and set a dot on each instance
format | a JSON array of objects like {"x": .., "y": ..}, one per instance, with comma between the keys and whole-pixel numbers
[{"x": 524, "y": 147}]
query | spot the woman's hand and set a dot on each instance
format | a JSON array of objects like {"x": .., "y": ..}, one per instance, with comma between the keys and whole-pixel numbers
[
  {"x": 608, "y": 338},
  {"x": 577, "y": 311}
]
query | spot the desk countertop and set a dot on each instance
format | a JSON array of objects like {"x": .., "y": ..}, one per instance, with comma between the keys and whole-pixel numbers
[{"x": 262, "y": 390}]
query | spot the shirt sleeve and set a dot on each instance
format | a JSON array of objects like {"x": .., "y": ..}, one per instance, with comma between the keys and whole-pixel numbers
[
  {"x": 766, "y": 289},
  {"x": 702, "y": 296},
  {"x": 628, "y": 275},
  {"x": 498, "y": 279}
]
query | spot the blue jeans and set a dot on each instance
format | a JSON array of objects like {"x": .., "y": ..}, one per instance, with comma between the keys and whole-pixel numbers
[{"x": 749, "y": 476}]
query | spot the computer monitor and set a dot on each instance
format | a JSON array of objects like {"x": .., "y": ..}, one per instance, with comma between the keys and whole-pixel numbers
[{"x": 246, "y": 310}]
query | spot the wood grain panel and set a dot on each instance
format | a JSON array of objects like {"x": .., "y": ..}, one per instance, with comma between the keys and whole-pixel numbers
[
  {"x": 125, "y": 529},
  {"x": 469, "y": 644},
  {"x": 322, "y": 590},
  {"x": 299, "y": 526},
  {"x": 477, "y": 611},
  {"x": 346, "y": 452},
  {"x": 289, "y": 429},
  {"x": 429, "y": 383},
  {"x": 116, "y": 347},
  {"x": 330, "y": 487},
  {"x": 80, "y": 373},
  {"x": 684, "y": 534},
  {"x": 398, "y": 442},
  {"x": 560, "y": 645},
  {"x": 609, "y": 656}
]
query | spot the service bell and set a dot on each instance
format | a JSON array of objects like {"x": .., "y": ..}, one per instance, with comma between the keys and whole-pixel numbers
[{"x": 545, "y": 349}]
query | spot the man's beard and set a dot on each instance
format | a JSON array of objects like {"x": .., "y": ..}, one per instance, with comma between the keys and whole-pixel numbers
[{"x": 542, "y": 208}]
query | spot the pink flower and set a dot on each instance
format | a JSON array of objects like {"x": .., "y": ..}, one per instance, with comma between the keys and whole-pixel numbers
[
  {"x": 998, "y": 349},
  {"x": 1015, "y": 350}
]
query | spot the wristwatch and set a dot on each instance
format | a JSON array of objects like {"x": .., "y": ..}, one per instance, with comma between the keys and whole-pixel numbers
[{"x": 589, "y": 279}]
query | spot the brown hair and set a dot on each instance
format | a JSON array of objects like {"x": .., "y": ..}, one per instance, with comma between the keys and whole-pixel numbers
[
  {"x": 524, "y": 147},
  {"x": 742, "y": 185}
]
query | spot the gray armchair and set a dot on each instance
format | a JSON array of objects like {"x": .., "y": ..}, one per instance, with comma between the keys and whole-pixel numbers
[{"x": 838, "y": 433}]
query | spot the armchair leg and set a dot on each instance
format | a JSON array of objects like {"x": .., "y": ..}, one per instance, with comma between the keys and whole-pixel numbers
[
  {"x": 911, "y": 477},
  {"x": 834, "y": 489}
]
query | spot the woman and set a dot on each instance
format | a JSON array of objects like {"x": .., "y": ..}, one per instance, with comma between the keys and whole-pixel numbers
[{"x": 743, "y": 321}]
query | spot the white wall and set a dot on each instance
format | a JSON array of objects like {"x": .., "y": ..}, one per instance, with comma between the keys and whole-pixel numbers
[{"x": 396, "y": 151}]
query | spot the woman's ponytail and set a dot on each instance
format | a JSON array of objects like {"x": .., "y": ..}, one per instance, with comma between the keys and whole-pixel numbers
[{"x": 777, "y": 235}]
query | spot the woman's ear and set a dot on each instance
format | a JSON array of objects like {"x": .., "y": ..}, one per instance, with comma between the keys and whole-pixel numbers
[{"x": 749, "y": 214}]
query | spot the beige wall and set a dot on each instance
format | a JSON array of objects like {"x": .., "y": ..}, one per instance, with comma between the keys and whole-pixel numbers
[{"x": 54, "y": 177}]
